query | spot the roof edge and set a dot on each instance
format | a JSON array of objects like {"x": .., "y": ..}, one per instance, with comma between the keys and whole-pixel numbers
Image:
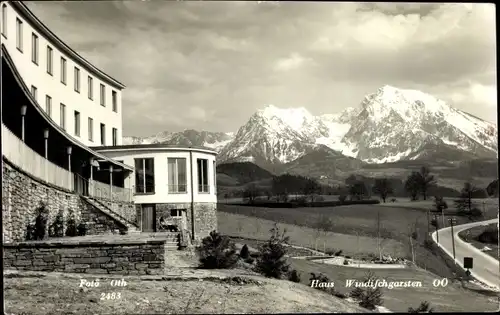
[
  {"x": 26, "y": 13},
  {"x": 154, "y": 146}
]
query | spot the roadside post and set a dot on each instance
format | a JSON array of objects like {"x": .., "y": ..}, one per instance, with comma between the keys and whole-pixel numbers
[{"x": 452, "y": 221}]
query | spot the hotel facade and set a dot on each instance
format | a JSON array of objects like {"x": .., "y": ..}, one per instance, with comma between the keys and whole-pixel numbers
[{"x": 62, "y": 146}]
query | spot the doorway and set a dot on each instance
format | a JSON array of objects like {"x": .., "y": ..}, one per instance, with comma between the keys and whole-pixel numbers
[{"x": 148, "y": 217}]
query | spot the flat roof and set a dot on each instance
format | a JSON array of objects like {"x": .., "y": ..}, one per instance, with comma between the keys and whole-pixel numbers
[
  {"x": 154, "y": 146},
  {"x": 22, "y": 9}
]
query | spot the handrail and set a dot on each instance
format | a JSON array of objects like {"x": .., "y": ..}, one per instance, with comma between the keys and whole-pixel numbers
[
  {"x": 21, "y": 155},
  {"x": 97, "y": 189}
]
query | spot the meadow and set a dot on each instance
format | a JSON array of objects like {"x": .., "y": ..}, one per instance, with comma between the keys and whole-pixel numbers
[{"x": 352, "y": 229}]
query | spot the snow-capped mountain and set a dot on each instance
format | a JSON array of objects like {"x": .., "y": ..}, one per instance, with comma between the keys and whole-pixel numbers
[
  {"x": 391, "y": 124},
  {"x": 189, "y": 137},
  {"x": 395, "y": 124}
]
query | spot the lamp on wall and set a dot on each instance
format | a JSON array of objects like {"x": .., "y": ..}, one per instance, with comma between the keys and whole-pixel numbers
[
  {"x": 23, "y": 113},
  {"x": 46, "y": 137},
  {"x": 69, "y": 149}
]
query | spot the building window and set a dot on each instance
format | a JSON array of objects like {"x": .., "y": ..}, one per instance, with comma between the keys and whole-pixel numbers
[
  {"x": 144, "y": 176},
  {"x": 34, "y": 48},
  {"x": 103, "y": 134},
  {"x": 19, "y": 33},
  {"x": 215, "y": 178},
  {"x": 114, "y": 134},
  {"x": 203, "y": 186},
  {"x": 62, "y": 122},
  {"x": 90, "y": 83},
  {"x": 77, "y": 123},
  {"x": 34, "y": 92},
  {"x": 77, "y": 80},
  {"x": 50, "y": 57},
  {"x": 176, "y": 213},
  {"x": 115, "y": 101},
  {"x": 48, "y": 105},
  {"x": 177, "y": 175},
  {"x": 91, "y": 129},
  {"x": 63, "y": 70},
  {"x": 103, "y": 95},
  {"x": 4, "y": 20}
]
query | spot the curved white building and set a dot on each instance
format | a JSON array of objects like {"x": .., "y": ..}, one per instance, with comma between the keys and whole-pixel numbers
[
  {"x": 61, "y": 144},
  {"x": 171, "y": 185},
  {"x": 77, "y": 96},
  {"x": 54, "y": 105}
]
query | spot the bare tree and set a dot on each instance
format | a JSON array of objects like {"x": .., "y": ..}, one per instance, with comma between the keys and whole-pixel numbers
[
  {"x": 382, "y": 187},
  {"x": 425, "y": 180},
  {"x": 323, "y": 224},
  {"x": 251, "y": 193},
  {"x": 381, "y": 241}
]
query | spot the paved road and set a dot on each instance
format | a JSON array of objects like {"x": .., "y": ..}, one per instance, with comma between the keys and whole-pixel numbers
[{"x": 485, "y": 268}]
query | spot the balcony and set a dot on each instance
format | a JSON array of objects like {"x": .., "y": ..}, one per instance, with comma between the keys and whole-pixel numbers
[
  {"x": 25, "y": 158},
  {"x": 19, "y": 154}
]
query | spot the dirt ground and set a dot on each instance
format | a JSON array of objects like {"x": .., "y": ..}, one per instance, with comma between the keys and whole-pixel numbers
[{"x": 56, "y": 293}]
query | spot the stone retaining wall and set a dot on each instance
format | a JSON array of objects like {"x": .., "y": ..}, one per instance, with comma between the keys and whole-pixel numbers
[
  {"x": 22, "y": 195},
  {"x": 205, "y": 217},
  {"x": 146, "y": 257}
]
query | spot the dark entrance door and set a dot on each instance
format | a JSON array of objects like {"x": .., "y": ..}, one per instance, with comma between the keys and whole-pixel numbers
[{"x": 148, "y": 218}]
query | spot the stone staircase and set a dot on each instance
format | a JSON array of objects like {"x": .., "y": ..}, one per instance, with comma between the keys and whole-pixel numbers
[
  {"x": 173, "y": 240},
  {"x": 131, "y": 227}
]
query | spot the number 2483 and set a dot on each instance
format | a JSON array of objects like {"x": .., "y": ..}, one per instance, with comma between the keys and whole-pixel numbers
[{"x": 111, "y": 296}]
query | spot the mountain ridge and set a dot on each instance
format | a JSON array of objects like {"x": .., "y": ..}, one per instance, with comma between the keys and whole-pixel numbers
[{"x": 389, "y": 125}]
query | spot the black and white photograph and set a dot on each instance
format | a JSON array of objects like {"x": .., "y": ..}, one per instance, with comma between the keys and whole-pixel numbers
[{"x": 251, "y": 157}]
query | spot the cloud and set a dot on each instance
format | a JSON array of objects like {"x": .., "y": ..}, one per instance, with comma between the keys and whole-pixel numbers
[{"x": 192, "y": 64}]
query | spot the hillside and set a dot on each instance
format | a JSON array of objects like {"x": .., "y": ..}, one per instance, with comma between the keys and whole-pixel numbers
[
  {"x": 241, "y": 173},
  {"x": 207, "y": 293}
]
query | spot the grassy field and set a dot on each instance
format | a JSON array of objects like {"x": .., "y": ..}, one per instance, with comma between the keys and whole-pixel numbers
[
  {"x": 452, "y": 298},
  {"x": 55, "y": 293},
  {"x": 471, "y": 234},
  {"x": 396, "y": 224},
  {"x": 238, "y": 225}
]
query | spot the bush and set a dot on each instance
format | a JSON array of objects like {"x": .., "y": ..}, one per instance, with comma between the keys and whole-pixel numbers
[
  {"x": 356, "y": 293},
  {"x": 41, "y": 222},
  {"x": 330, "y": 252},
  {"x": 244, "y": 253},
  {"x": 71, "y": 225},
  {"x": 338, "y": 253},
  {"x": 393, "y": 200},
  {"x": 346, "y": 262},
  {"x": 81, "y": 229},
  {"x": 476, "y": 213},
  {"x": 56, "y": 229},
  {"x": 368, "y": 297},
  {"x": 30, "y": 232},
  {"x": 342, "y": 198},
  {"x": 217, "y": 252},
  {"x": 271, "y": 261},
  {"x": 294, "y": 276},
  {"x": 489, "y": 236},
  {"x": 424, "y": 307}
]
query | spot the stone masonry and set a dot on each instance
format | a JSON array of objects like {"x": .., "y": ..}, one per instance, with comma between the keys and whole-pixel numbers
[
  {"x": 142, "y": 257},
  {"x": 205, "y": 217},
  {"x": 22, "y": 195}
]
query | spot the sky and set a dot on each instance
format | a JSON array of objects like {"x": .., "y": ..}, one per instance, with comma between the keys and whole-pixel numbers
[{"x": 210, "y": 65}]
